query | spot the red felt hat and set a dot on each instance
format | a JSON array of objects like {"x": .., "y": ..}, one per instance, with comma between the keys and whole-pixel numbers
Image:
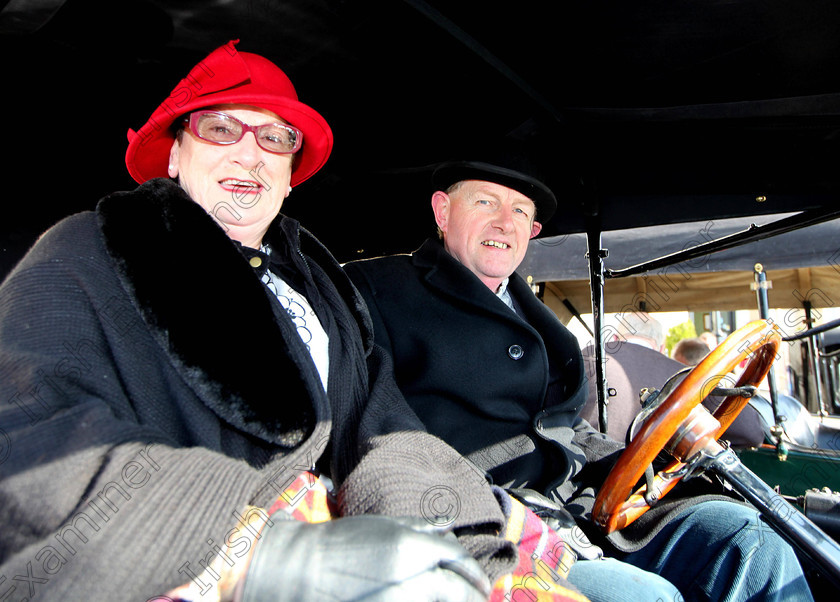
[{"x": 227, "y": 76}]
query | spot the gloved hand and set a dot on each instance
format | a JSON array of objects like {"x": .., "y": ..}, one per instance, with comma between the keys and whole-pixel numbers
[
  {"x": 552, "y": 513},
  {"x": 371, "y": 558}
]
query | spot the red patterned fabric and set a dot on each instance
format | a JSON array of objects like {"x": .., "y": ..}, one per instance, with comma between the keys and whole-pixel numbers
[
  {"x": 544, "y": 560},
  {"x": 306, "y": 499}
]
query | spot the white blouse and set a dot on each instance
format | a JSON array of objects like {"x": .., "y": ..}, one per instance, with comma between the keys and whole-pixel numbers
[{"x": 303, "y": 317}]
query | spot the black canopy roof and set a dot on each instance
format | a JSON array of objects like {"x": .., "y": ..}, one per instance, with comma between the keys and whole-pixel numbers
[{"x": 647, "y": 112}]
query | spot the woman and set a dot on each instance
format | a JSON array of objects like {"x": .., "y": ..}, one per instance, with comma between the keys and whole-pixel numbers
[{"x": 174, "y": 360}]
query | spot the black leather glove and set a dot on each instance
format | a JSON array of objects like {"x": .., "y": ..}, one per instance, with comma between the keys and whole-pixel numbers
[
  {"x": 371, "y": 558},
  {"x": 552, "y": 513}
]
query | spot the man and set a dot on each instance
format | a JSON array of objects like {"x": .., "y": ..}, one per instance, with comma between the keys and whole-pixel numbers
[
  {"x": 492, "y": 371},
  {"x": 635, "y": 359},
  {"x": 690, "y": 351}
]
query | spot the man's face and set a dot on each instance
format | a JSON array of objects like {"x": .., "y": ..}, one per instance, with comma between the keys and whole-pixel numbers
[{"x": 486, "y": 227}]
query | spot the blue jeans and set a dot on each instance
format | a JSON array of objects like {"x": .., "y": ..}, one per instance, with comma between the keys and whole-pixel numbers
[
  {"x": 712, "y": 551},
  {"x": 610, "y": 580}
]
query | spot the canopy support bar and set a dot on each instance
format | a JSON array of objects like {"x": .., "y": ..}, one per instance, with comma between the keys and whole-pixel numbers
[
  {"x": 751, "y": 234},
  {"x": 595, "y": 254}
]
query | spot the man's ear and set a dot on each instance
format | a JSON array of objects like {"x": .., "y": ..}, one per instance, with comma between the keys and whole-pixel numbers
[
  {"x": 440, "y": 206},
  {"x": 536, "y": 228}
]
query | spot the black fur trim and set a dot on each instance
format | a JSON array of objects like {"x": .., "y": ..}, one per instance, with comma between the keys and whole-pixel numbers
[{"x": 204, "y": 304}]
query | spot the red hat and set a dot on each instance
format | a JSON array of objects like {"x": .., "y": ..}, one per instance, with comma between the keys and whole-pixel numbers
[{"x": 229, "y": 77}]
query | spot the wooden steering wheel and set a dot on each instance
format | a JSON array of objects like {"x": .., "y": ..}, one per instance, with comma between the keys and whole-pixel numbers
[{"x": 681, "y": 425}]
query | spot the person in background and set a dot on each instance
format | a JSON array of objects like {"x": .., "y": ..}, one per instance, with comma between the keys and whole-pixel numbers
[
  {"x": 709, "y": 338},
  {"x": 176, "y": 360},
  {"x": 635, "y": 360},
  {"x": 690, "y": 351},
  {"x": 489, "y": 369}
]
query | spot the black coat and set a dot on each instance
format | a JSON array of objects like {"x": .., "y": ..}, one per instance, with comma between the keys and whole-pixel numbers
[
  {"x": 153, "y": 388},
  {"x": 504, "y": 391}
]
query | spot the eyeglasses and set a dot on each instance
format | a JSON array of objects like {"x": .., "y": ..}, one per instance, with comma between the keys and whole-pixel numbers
[{"x": 220, "y": 128}]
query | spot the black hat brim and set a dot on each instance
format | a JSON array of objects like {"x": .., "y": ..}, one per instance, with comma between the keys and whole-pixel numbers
[{"x": 447, "y": 174}]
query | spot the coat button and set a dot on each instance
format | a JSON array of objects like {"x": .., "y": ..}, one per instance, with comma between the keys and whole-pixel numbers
[
  {"x": 515, "y": 352},
  {"x": 255, "y": 261}
]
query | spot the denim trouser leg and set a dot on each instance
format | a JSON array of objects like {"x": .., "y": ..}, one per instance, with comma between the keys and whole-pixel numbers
[
  {"x": 724, "y": 552},
  {"x": 611, "y": 580}
]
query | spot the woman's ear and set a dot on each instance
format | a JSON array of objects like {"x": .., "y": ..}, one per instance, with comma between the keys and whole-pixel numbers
[{"x": 174, "y": 157}]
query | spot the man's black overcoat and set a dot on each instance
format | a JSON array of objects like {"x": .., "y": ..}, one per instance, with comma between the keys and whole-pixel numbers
[{"x": 504, "y": 388}]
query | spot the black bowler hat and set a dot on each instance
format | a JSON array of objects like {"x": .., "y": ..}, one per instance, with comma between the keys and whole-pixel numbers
[{"x": 518, "y": 175}]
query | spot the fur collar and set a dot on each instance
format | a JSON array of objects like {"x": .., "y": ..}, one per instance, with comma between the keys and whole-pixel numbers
[{"x": 201, "y": 300}]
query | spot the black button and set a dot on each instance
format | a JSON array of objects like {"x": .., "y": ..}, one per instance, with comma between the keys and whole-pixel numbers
[{"x": 515, "y": 352}]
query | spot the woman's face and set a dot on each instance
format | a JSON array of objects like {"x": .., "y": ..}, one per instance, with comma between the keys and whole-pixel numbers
[{"x": 241, "y": 185}]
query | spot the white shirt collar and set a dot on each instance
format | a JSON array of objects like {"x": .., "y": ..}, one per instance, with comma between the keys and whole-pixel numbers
[{"x": 503, "y": 294}]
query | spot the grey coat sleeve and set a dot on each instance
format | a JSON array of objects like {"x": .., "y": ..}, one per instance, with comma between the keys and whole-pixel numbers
[{"x": 102, "y": 496}]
